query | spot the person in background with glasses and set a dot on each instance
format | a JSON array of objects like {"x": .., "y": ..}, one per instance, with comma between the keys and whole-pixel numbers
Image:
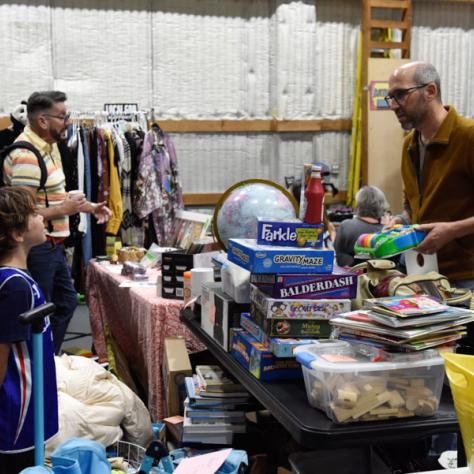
[
  {"x": 48, "y": 120},
  {"x": 437, "y": 169}
]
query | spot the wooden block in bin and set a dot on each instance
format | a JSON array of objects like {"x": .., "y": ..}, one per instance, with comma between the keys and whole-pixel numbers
[
  {"x": 369, "y": 404},
  {"x": 341, "y": 414},
  {"x": 417, "y": 383},
  {"x": 396, "y": 400}
]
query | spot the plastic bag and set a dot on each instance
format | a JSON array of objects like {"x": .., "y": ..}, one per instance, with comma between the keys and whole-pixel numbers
[
  {"x": 235, "y": 463},
  {"x": 379, "y": 278},
  {"x": 460, "y": 372},
  {"x": 433, "y": 284},
  {"x": 374, "y": 279}
]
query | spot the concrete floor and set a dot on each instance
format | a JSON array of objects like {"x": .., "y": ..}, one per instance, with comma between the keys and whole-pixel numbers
[{"x": 79, "y": 330}]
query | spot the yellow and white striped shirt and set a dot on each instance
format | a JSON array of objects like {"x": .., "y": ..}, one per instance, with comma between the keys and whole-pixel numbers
[{"x": 21, "y": 168}]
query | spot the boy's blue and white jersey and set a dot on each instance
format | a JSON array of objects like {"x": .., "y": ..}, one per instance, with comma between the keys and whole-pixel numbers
[{"x": 20, "y": 293}]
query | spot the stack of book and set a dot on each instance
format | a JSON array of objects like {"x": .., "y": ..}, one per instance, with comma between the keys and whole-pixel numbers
[
  {"x": 214, "y": 407},
  {"x": 404, "y": 323}
]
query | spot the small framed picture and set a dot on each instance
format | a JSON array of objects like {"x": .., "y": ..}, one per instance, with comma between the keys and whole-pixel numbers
[{"x": 188, "y": 227}]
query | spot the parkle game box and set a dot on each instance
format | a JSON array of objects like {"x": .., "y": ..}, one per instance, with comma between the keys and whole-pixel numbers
[{"x": 292, "y": 233}]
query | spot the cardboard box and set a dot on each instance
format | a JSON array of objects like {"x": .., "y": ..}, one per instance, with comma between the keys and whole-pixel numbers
[
  {"x": 219, "y": 313},
  {"x": 314, "y": 328},
  {"x": 339, "y": 284},
  {"x": 271, "y": 259},
  {"x": 281, "y": 308},
  {"x": 279, "y": 346},
  {"x": 176, "y": 366},
  {"x": 258, "y": 359},
  {"x": 250, "y": 325},
  {"x": 284, "y": 347},
  {"x": 293, "y": 233},
  {"x": 174, "y": 264},
  {"x": 208, "y": 307}
]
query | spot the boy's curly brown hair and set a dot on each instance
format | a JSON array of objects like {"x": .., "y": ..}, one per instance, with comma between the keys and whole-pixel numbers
[{"x": 17, "y": 203}]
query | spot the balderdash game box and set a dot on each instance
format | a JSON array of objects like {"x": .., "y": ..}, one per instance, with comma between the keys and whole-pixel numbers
[
  {"x": 270, "y": 259},
  {"x": 339, "y": 284}
]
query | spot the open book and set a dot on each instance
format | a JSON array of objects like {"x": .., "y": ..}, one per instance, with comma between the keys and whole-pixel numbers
[{"x": 406, "y": 306}]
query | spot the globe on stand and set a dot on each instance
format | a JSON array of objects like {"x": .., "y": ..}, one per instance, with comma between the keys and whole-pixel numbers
[{"x": 237, "y": 211}]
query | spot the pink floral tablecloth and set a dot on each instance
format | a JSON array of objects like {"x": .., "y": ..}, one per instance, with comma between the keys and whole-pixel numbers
[{"x": 139, "y": 321}]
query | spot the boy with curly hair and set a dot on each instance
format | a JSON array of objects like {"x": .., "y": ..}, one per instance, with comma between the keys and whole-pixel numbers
[{"x": 21, "y": 228}]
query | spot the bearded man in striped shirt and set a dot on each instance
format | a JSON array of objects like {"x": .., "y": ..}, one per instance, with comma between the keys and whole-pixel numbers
[{"x": 48, "y": 120}]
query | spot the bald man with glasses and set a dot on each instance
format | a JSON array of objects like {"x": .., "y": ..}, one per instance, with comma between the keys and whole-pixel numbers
[
  {"x": 437, "y": 169},
  {"x": 48, "y": 120},
  {"x": 438, "y": 180}
]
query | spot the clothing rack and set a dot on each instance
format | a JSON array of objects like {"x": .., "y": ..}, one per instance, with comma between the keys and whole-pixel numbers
[{"x": 101, "y": 117}]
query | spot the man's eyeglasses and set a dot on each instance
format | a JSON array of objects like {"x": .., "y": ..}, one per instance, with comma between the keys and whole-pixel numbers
[
  {"x": 400, "y": 94},
  {"x": 63, "y": 118}
]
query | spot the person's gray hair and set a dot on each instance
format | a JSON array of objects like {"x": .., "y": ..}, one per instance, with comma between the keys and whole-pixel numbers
[
  {"x": 424, "y": 74},
  {"x": 370, "y": 202}
]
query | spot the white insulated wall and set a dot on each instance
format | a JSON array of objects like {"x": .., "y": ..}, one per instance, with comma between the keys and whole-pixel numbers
[
  {"x": 444, "y": 35},
  {"x": 223, "y": 159},
  {"x": 207, "y": 59},
  {"x": 220, "y": 59}
]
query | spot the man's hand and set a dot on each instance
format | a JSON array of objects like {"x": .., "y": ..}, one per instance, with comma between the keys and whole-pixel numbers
[
  {"x": 390, "y": 221},
  {"x": 332, "y": 231},
  {"x": 101, "y": 212},
  {"x": 439, "y": 234},
  {"x": 72, "y": 206}
]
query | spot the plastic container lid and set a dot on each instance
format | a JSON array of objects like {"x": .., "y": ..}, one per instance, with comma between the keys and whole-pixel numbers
[
  {"x": 346, "y": 359},
  {"x": 324, "y": 346}
]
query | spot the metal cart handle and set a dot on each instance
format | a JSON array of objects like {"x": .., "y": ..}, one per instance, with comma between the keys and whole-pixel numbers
[{"x": 36, "y": 315}]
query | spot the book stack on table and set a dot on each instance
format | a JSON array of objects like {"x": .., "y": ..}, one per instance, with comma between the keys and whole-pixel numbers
[
  {"x": 404, "y": 323},
  {"x": 214, "y": 407}
]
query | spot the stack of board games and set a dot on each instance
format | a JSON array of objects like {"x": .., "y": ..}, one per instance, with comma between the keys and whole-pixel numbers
[
  {"x": 214, "y": 408},
  {"x": 294, "y": 291},
  {"x": 404, "y": 323}
]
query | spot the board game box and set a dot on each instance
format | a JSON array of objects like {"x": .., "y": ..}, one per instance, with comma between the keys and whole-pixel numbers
[{"x": 339, "y": 284}]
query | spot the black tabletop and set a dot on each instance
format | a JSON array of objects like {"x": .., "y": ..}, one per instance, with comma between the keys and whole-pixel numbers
[{"x": 309, "y": 426}]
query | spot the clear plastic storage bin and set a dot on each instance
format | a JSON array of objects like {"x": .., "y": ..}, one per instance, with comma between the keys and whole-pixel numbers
[{"x": 350, "y": 383}]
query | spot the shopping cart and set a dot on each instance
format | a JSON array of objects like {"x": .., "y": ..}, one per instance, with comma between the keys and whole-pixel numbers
[
  {"x": 134, "y": 459},
  {"x": 131, "y": 453}
]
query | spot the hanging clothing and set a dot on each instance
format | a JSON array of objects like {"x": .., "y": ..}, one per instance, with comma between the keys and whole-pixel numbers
[
  {"x": 115, "y": 197},
  {"x": 158, "y": 190},
  {"x": 135, "y": 233},
  {"x": 125, "y": 177},
  {"x": 87, "y": 238},
  {"x": 8, "y": 135},
  {"x": 69, "y": 161}
]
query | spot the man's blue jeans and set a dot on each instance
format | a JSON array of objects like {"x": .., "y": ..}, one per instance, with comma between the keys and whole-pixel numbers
[{"x": 48, "y": 266}]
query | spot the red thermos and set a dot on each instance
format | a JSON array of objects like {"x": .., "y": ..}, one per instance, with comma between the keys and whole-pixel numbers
[{"x": 314, "y": 196}]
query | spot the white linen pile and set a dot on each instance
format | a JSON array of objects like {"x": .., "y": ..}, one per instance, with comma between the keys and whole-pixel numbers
[{"x": 94, "y": 404}]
